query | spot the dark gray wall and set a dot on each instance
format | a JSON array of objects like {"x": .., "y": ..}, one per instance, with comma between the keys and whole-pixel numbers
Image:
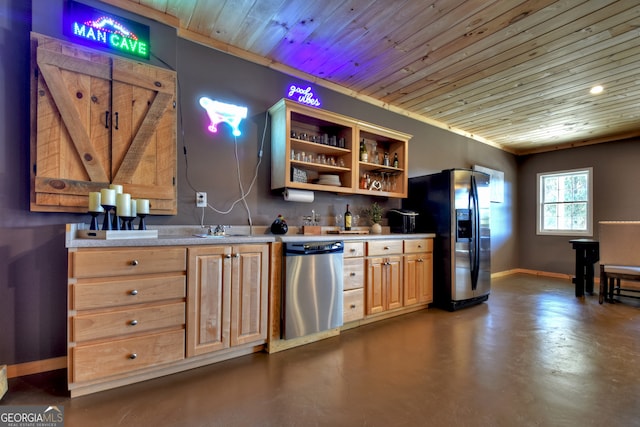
[
  {"x": 616, "y": 177},
  {"x": 33, "y": 257}
]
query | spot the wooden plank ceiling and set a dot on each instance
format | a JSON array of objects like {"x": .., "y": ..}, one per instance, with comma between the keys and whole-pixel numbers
[{"x": 515, "y": 74}]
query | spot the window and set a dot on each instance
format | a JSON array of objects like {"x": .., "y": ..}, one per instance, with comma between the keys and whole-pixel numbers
[{"x": 565, "y": 203}]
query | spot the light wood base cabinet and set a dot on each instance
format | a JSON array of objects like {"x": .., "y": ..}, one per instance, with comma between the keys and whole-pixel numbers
[
  {"x": 227, "y": 304},
  {"x": 354, "y": 278},
  {"x": 137, "y": 313},
  {"x": 384, "y": 276},
  {"x": 418, "y": 271},
  {"x": 126, "y": 313},
  {"x": 399, "y": 274}
]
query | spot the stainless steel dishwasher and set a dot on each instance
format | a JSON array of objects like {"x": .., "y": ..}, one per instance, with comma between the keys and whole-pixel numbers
[{"x": 313, "y": 287}]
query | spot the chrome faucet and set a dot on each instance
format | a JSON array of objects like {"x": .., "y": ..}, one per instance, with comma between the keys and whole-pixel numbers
[{"x": 219, "y": 230}]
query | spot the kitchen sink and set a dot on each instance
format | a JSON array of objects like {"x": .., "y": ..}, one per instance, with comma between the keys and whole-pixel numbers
[{"x": 222, "y": 236}]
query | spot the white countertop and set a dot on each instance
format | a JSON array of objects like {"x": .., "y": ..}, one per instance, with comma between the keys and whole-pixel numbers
[{"x": 185, "y": 235}]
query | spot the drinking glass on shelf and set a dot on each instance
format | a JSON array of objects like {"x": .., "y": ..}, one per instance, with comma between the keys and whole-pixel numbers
[{"x": 339, "y": 221}]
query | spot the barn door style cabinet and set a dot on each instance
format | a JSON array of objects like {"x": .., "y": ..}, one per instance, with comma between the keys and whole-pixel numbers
[
  {"x": 99, "y": 119},
  {"x": 315, "y": 149}
]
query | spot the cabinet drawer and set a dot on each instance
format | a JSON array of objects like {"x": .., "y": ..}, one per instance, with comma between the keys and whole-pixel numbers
[
  {"x": 122, "y": 322},
  {"x": 384, "y": 247},
  {"x": 353, "y": 249},
  {"x": 96, "y": 361},
  {"x": 418, "y": 245},
  {"x": 353, "y": 273},
  {"x": 120, "y": 262},
  {"x": 89, "y": 295},
  {"x": 353, "y": 305}
]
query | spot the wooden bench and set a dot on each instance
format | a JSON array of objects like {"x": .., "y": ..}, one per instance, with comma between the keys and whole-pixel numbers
[{"x": 619, "y": 258}]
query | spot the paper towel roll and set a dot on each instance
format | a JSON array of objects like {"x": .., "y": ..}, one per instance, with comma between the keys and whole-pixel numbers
[{"x": 298, "y": 195}]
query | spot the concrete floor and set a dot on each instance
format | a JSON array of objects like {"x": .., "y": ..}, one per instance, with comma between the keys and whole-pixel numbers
[{"x": 534, "y": 355}]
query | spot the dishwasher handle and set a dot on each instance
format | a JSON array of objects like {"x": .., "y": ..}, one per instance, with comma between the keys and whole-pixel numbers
[{"x": 314, "y": 248}]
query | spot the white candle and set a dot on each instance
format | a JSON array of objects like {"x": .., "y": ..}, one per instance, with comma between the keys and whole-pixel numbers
[
  {"x": 134, "y": 205},
  {"x": 143, "y": 206},
  {"x": 123, "y": 204},
  {"x": 94, "y": 202},
  {"x": 116, "y": 187},
  {"x": 108, "y": 197}
]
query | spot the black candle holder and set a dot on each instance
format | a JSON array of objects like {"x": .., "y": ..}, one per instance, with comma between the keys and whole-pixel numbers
[
  {"x": 115, "y": 224},
  {"x": 127, "y": 222},
  {"x": 107, "y": 224},
  {"x": 94, "y": 220},
  {"x": 142, "y": 225}
]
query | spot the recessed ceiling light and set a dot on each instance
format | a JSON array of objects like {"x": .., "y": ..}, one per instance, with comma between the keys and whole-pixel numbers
[{"x": 596, "y": 90}]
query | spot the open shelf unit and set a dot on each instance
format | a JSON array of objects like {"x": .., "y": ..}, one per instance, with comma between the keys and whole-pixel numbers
[{"x": 314, "y": 149}]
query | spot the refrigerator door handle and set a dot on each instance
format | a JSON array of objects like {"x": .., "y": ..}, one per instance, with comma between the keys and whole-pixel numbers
[{"x": 475, "y": 238}]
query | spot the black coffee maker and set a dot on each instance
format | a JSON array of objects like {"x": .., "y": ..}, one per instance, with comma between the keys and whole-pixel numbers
[{"x": 402, "y": 220}]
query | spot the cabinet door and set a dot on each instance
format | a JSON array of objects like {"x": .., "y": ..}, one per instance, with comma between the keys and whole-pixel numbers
[
  {"x": 208, "y": 299},
  {"x": 249, "y": 293},
  {"x": 143, "y": 145},
  {"x": 375, "y": 286},
  {"x": 425, "y": 278},
  {"x": 393, "y": 277},
  {"x": 70, "y": 149},
  {"x": 418, "y": 279}
]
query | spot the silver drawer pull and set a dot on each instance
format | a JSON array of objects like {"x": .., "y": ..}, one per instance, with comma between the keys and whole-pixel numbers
[
  {"x": 353, "y": 249},
  {"x": 227, "y": 256},
  {"x": 134, "y": 292},
  {"x": 133, "y": 356},
  {"x": 353, "y": 306},
  {"x": 419, "y": 246},
  {"x": 352, "y": 274},
  {"x": 135, "y": 262},
  {"x": 133, "y": 322},
  {"x": 237, "y": 255},
  {"x": 386, "y": 248}
]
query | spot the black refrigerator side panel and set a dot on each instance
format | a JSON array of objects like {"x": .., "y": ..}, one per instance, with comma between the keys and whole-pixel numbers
[{"x": 430, "y": 196}]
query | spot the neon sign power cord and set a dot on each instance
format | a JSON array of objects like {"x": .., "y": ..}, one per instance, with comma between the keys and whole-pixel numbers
[{"x": 243, "y": 194}]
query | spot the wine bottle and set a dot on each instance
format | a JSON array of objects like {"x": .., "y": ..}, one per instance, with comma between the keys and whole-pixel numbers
[
  {"x": 396, "y": 162},
  {"x": 364, "y": 154},
  {"x": 347, "y": 219}
]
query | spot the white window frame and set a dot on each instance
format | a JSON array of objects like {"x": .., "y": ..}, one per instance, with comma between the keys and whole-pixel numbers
[{"x": 540, "y": 207}]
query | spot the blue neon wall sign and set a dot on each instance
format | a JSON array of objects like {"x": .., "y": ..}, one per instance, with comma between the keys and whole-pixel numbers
[
  {"x": 96, "y": 28},
  {"x": 303, "y": 95}
]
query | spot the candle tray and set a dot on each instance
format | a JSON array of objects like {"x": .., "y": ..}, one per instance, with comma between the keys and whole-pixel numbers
[{"x": 117, "y": 234}]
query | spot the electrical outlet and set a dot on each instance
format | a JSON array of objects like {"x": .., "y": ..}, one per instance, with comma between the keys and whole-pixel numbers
[{"x": 201, "y": 199}]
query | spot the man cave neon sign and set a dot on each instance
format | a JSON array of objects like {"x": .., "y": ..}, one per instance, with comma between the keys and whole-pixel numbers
[{"x": 94, "y": 27}]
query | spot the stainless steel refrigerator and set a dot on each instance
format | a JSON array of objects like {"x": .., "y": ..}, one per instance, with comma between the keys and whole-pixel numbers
[{"x": 455, "y": 205}]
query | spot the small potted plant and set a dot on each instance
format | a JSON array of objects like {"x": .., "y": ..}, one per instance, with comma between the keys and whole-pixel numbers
[{"x": 375, "y": 215}]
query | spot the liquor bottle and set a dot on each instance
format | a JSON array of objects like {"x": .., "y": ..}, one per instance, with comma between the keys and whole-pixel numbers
[
  {"x": 396, "y": 162},
  {"x": 364, "y": 155},
  {"x": 347, "y": 219},
  {"x": 385, "y": 160}
]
